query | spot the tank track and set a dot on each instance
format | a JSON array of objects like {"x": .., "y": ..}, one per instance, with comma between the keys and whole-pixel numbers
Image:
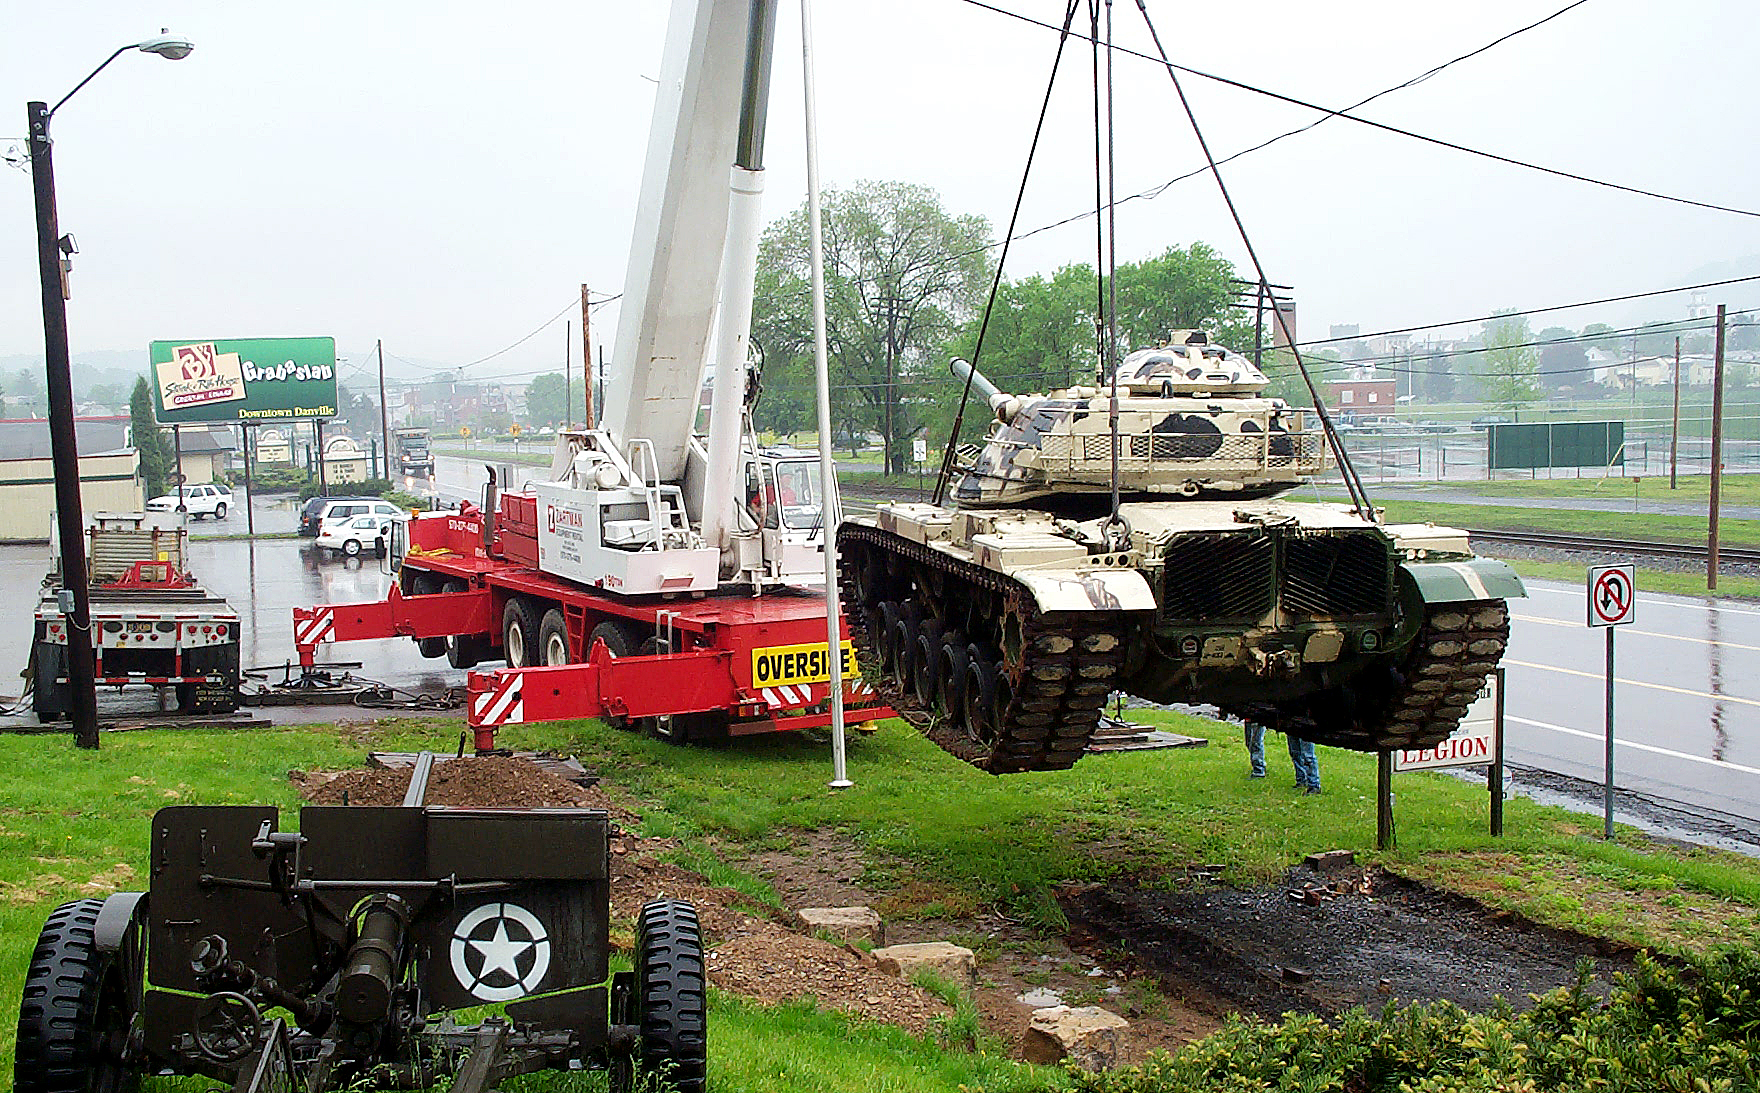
[
  {"x": 1058, "y": 673},
  {"x": 1416, "y": 705}
]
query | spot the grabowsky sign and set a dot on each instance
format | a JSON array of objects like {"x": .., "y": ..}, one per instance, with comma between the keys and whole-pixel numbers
[{"x": 244, "y": 379}]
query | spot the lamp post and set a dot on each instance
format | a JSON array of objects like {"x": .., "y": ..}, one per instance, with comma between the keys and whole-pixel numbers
[{"x": 70, "y": 521}]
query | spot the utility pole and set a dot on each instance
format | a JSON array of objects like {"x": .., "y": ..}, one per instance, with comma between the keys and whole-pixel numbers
[
  {"x": 567, "y": 382},
  {"x": 587, "y": 361},
  {"x": 1674, "y": 435},
  {"x": 384, "y": 414},
  {"x": 1716, "y": 455}
]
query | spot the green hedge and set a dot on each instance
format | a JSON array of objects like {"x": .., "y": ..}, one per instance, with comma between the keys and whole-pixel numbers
[{"x": 1660, "y": 1029}]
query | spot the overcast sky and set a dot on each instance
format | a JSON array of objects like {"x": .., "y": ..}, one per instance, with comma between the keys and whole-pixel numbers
[{"x": 444, "y": 175}]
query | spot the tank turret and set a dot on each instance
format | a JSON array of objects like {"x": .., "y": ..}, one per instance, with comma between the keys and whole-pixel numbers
[{"x": 1193, "y": 421}]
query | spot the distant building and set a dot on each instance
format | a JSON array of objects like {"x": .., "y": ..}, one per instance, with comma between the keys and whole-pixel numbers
[
  {"x": 109, "y": 474},
  {"x": 1363, "y": 397},
  {"x": 206, "y": 452}
]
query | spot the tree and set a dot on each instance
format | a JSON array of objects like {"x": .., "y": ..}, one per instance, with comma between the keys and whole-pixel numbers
[
  {"x": 1743, "y": 333},
  {"x": 1180, "y": 290},
  {"x": 1600, "y": 336},
  {"x": 901, "y": 273},
  {"x": 1509, "y": 364},
  {"x": 158, "y": 460},
  {"x": 545, "y": 400},
  {"x": 1563, "y": 360}
]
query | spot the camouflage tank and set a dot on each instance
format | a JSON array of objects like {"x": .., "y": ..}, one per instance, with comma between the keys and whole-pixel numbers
[{"x": 1011, "y": 617}]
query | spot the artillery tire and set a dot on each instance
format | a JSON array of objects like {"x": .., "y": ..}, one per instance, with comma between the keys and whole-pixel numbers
[
  {"x": 463, "y": 650},
  {"x": 519, "y": 633},
  {"x": 673, "y": 1043},
  {"x": 79, "y": 1007},
  {"x": 553, "y": 639},
  {"x": 426, "y": 584}
]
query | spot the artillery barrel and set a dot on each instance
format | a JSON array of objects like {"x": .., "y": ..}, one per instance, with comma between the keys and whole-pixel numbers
[
  {"x": 962, "y": 369},
  {"x": 370, "y": 969}
]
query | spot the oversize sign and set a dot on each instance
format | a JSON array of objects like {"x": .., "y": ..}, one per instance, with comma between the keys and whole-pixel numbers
[
  {"x": 1613, "y": 595},
  {"x": 789, "y": 665},
  {"x": 1474, "y": 744},
  {"x": 243, "y": 379}
]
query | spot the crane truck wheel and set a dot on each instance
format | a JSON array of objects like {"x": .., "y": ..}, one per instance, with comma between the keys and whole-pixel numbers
[
  {"x": 464, "y": 650},
  {"x": 519, "y": 633},
  {"x": 553, "y": 639},
  {"x": 619, "y": 642},
  {"x": 424, "y": 584}
]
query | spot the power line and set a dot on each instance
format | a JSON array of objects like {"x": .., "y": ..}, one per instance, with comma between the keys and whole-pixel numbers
[{"x": 1384, "y": 127}]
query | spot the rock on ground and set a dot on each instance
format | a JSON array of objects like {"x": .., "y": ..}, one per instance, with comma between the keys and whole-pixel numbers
[
  {"x": 843, "y": 923},
  {"x": 1088, "y": 1036},
  {"x": 954, "y": 963}
]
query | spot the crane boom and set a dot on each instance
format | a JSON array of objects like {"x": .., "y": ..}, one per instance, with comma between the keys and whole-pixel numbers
[{"x": 673, "y": 284}]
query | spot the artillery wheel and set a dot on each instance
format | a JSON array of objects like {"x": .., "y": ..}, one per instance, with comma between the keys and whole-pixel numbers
[
  {"x": 519, "y": 633},
  {"x": 670, "y": 995},
  {"x": 80, "y": 1004}
]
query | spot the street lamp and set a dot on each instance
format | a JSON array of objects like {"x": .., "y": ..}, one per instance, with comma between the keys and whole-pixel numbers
[{"x": 70, "y": 521}]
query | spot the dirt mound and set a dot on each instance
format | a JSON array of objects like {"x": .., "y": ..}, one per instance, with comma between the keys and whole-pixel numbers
[
  {"x": 497, "y": 781},
  {"x": 777, "y": 965}
]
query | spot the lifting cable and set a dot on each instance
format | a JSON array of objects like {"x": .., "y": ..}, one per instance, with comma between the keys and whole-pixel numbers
[
  {"x": 1117, "y": 537},
  {"x": 1353, "y": 484},
  {"x": 943, "y": 479}
]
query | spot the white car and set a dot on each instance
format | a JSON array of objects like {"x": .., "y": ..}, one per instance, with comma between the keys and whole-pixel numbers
[
  {"x": 346, "y": 509},
  {"x": 208, "y": 499},
  {"x": 352, "y": 536}
]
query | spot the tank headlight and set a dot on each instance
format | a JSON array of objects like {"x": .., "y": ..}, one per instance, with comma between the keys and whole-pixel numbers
[
  {"x": 1371, "y": 641},
  {"x": 1188, "y": 646}
]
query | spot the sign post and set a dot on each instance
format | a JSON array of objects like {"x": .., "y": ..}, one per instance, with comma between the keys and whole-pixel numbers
[
  {"x": 1478, "y": 742},
  {"x": 1613, "y": 601}
]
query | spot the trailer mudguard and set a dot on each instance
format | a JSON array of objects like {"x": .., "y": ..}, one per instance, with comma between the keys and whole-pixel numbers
[{"x": 1462, "y": 581}]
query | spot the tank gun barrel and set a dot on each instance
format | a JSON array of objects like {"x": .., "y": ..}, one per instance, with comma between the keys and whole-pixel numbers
[{"x": 962, "y": 369}]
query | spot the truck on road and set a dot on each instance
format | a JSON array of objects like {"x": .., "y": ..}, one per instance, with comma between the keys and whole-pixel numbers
[
  {"x": 414, "y": 456},
  {"x": 152, "y": 624}
]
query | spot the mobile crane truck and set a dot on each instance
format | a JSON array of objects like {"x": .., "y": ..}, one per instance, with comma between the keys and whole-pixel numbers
[{"x": 654, "y": 577}]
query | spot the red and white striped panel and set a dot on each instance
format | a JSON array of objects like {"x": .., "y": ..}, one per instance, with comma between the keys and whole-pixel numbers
[
  {"x": 317, "y": 627},
  {"x": 502, "y": 706},
  {"x": 789, "y": 697}
]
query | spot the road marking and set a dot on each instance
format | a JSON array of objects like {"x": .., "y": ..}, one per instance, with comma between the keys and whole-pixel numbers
[
  {"x": 1636, "y": 683},
  {"x": 1669, "y": 752},
  {"x": 1683, "y": 602},
  {"x": 1641, "y": 633}
]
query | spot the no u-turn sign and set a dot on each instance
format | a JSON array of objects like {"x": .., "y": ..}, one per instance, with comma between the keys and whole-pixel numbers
[{"x": 1613, "y": 595}]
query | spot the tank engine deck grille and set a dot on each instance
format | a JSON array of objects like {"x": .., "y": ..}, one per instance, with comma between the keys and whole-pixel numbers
[
  {"x": 1210, "y": 577},
  {"x": 1335, "y": 574}
]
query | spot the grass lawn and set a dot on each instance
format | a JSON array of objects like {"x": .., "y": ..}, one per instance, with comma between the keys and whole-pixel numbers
[
  {"x": 1661, "y": 528},
  {"x": 939, "y": 838},
  {"x": 1738, "y": 489}
]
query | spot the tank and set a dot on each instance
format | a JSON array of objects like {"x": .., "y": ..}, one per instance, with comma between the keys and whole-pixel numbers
[{"x": 1009, "y": 618}]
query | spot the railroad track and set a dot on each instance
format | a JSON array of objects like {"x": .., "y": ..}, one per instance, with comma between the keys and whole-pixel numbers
[{"x": 1595, "y": 544}]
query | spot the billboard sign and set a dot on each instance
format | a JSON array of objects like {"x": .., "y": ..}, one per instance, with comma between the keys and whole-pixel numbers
[
  {"x": 243, "y": 379},
  {"x": 1474, "y": 744}
]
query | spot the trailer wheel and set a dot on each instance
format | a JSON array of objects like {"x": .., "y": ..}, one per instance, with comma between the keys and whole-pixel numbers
[
  {"x": 426, "y": 584},
  {"x": 519, "y": 633},
  {"x": 80, "y": 1006},
  {"x": 553, "y": 638},
  {"x": 673, "y": 1045}
]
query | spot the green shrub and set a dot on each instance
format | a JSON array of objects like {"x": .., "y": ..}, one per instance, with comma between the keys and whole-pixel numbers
[
  {"x": 275, "y": 478},
  {"x": 369, "y": 487},
  {"x": 1660, "y": 1029}
]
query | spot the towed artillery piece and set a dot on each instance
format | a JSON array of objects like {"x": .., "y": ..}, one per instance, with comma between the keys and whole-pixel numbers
[
  {"x": 1013, "y": 615},
  {"x": 324, "y": 960}
]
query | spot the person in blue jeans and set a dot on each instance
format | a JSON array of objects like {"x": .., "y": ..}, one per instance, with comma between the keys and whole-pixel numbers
[{"x": 1301, "y": 757}]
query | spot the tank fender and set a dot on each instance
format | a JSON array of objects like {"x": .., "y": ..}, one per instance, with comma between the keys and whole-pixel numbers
[
  {"x": 1088, "y": 589},
  {"x": 1458, "y": 582},
  {"x": 114, "y": 918}
]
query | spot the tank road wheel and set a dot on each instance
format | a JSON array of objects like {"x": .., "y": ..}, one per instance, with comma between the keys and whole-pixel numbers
[
  {"x": 80, "y": 1005},
  {"x": 950, "y": 675},
  {"x": 553, "y": 639},
  {"x": 888, "y": 615},
  {"x": 673, "y": 1049},
  {"x": 519, "y": 633},
  {"x": 980, "y": 695},
  {"x": 426, "y": 584},
  {"x": 926, "y": 664},
  {"x": 464, "y": 650}
]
